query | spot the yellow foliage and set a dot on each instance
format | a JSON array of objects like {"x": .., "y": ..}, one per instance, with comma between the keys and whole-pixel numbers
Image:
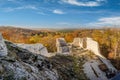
[{"x": 111, "y": 55}]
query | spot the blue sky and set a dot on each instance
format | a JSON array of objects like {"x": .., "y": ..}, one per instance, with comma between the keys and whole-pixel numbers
[{"x": 59, "y": 13}]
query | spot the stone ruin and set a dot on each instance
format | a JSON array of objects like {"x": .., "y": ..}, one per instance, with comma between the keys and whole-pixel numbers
[
  {"x": 35, "y": 48},
  {"x": 3, "y": 48},
  {"x": 87, "y": 43},
  {"x": 92, "y": 65},
  {"x": 84, "y": 43},
  {"x": 62, "y": 46},
  {"x": 93, "y": 46},
  {"x": 77, "y": 42}
]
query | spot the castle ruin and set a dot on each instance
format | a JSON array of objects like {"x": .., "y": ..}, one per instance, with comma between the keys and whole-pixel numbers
[{"x": 62, "y": 46}]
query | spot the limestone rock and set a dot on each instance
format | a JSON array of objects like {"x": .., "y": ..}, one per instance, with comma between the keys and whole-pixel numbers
[
  {"x": 35, "y": 48},
  {"x": 26, "y": 66},
  {"x": 3, "y": 49}
]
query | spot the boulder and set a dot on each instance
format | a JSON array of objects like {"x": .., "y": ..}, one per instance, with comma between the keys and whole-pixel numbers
[{"x": 35, "y": 48}]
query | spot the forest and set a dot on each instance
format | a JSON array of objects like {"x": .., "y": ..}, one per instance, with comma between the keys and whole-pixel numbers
[{"x": 108, "y": 38}]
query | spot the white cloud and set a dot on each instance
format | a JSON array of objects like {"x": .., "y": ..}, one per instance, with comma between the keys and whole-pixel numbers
[
  {"x": 100, "y": 0},
  {"x": 87, "y": 3},
  {"x": 11, "y": 0},
  {"x": 42, "y": 13},
  {"x": 20, "y": 8},
  {"x": 57, "y": 11},
  {"x": 107, "y": 21},
  {"x": 63, "y": 23},
  {"x": 27, "y": 7},
  {"x": 66, "y": 24}
]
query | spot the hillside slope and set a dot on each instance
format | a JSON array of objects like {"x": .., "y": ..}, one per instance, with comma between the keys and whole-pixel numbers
[{"x": 21, "y": 64}]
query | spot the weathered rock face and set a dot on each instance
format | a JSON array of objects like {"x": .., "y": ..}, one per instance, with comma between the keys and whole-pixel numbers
[
  {"x": 21, "y": 64},
  {"x": 3, "y": 49},
  {"x": 35, "y": 48},
  {"x": 62, "y": 46}
]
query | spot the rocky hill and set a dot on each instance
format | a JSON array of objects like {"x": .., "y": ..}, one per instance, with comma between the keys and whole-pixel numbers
[
  {"x": 21, "y": 31},
  {"x": 20, "y": 64},
  {"x": 80, "y": 63}
]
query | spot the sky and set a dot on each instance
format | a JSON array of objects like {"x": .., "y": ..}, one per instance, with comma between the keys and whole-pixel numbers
[{"x": 60, "y": 13}]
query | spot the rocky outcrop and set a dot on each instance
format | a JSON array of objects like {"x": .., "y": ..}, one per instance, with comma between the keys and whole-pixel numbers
[
  {"x": 35, "y": 48},
  {"x": 3, "y": 49},
  {"x": 21, "y": 64}
]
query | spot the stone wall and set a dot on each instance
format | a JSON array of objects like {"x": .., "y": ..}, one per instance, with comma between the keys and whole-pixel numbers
[
  {"x": 93, "y": 46},
  {"x": 3, "y": 48},
  {"x": 78, "y": 42},
  {"x": 62, "y": 46},
  {"x": 87, "y": 43}
]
